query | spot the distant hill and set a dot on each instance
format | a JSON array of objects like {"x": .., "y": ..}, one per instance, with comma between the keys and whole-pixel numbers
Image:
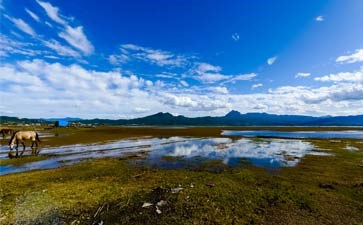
[
  {"x": 67, "y": 119},
  {"x": 10, "y": 119},
  {"x": 233, "y": 118}
]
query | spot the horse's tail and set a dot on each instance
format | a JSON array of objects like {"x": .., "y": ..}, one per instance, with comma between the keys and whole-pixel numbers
[
  {"x": 12, "y": 137},
  {"x": 37, "y": 137}
]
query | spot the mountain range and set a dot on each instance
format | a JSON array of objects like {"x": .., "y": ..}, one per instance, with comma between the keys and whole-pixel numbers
[{"x": 233, "y": 118}]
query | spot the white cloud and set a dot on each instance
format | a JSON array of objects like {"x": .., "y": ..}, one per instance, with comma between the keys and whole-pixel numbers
[
  {"x": 206, "y": 67},
  {"x": 343, "y": 99},
  {"x": 149, "y": 55},
  {"x": 20, "y": 24},
  {"x": 355, "y": 57},
  {"x": 320, "y": 18},
  {"x": 210, "y": 77},
  {"x": 72, "y": 90},
  {"x": 16, "y": 34},
  {"x": 240, "y": 77},
  {"x": 271, "y": 60},
  {"x": 60, "y": 49},
  {"x": 217, "y": 77},
  {"x": 48, "y": 24},
  {"x": 182, "y": 101},
  {"x": 141, "y": 110},
  {"x": 167, "y": 75},
  {"x": 35, "y": 46},
  {"x": 9, "y": 47},
  {"x": 335, "y": 93},
  {"x": 207, "y": 73},
  {"x": 194, "y": 103},
  {"x": 118, "y": 59},
  {"x": 301, "y": 74},
  {"x": 256, "y": 86},
  {"x": 61, "y": 90},
  {"x": 235, "y": 37},
  {"x": 219, "y": 90},
  {"x": 356, "y": 76},
  {"x": 329, "y": 95},
  {"x": 260, "y": 107},
  {"x": 76, "y": 38},
  {"x": 133, "y": 47},
  {"x": 52, "y": 12},
  {"x": 201, "y": 71},
  {"x": 33, "y": 15},
  {"x": 184, "y": 83}
]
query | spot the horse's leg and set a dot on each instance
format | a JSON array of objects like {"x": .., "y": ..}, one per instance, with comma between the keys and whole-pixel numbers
[
  {"x": 37, "y": 151},
  {"x": 17, "y": 146},
  {"x": 32, "y": 147},
  {"x": 23, "y": 148},
  {"x": 36, "y": 148}
]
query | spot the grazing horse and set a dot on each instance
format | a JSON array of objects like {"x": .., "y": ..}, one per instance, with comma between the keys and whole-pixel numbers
[
  {"x": 5, "y": 132},
  {"x": 22, "y": 136}
]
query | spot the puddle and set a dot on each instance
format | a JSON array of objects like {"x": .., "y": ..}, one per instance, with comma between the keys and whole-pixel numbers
[
  {"x": 176, "y": 152},
  {"x": 262, "y": 152},
  {"x": 354, "y": 134}
]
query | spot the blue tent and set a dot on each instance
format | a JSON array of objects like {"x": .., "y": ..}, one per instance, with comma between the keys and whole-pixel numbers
[{"x": 63, "y": 123}]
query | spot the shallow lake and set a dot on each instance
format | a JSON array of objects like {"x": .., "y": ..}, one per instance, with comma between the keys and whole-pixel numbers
[
  {"x": 184, "y": 152},
  {"x": 354, "y": 134}
]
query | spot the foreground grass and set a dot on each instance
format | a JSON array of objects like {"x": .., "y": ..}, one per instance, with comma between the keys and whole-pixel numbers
[{"x": 320, "y": 190}]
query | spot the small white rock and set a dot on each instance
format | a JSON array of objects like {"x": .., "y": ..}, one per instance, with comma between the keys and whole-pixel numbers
[
  {"x": 146, "y": 204},
  {"x": 161, "y": 203},
  {"x": 176, "y": 190},
  {"x": 158, "y": 211}
]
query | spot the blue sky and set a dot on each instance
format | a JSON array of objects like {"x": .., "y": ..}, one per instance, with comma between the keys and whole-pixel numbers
[{"x": 125, "y": 59}]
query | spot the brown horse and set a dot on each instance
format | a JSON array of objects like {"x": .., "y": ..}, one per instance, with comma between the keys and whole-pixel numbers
[
  {"x": 6, "y": 131},
  {"x": 22, "y": 136}
]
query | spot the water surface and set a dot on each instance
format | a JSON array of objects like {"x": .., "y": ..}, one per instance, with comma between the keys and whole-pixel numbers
[
  {"x": 265, "y": 152},
  {"x": 354, "y": 134}
]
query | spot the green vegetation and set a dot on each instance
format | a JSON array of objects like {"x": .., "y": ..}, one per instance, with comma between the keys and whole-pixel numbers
[{"x": 320, "y": 190}]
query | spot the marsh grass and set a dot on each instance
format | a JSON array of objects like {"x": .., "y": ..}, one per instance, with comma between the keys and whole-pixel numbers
[{"x": 319, "y": 190}]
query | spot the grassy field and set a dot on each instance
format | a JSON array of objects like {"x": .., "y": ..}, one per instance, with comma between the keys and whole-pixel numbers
[{"x": 320, "y": 190}]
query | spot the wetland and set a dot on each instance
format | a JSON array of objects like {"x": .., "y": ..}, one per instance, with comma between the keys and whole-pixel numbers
[{"x": 186, "y": 175}]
